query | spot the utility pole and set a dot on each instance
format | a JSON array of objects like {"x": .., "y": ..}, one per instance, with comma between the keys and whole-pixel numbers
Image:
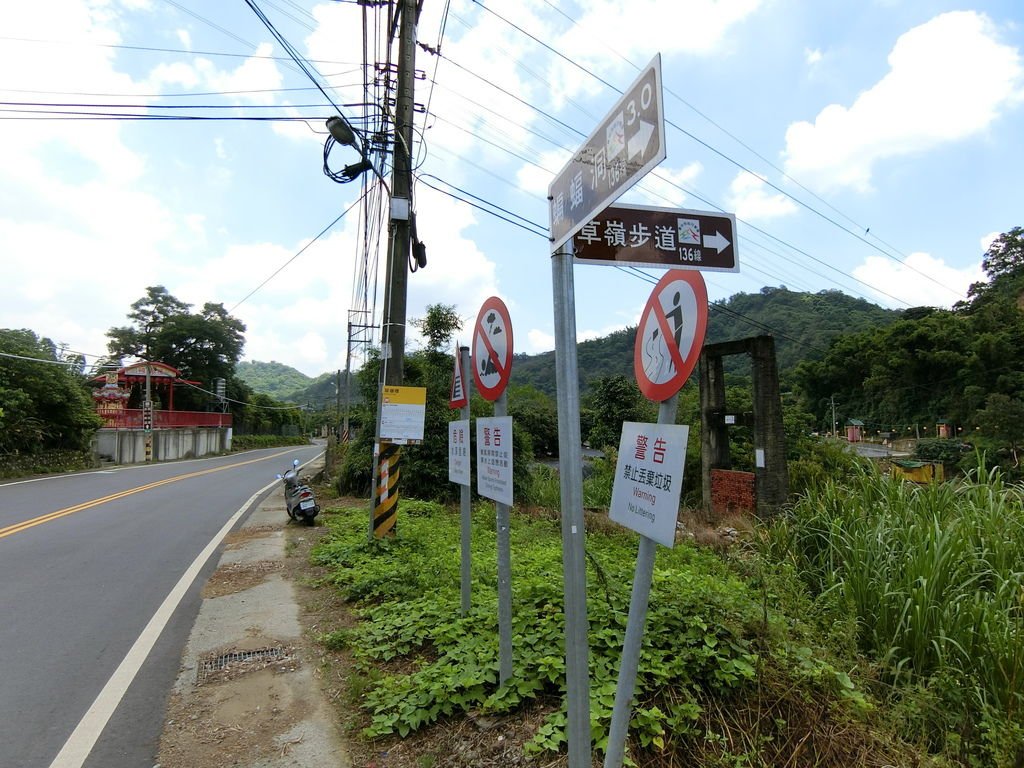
[
  {"x": 393, "y": 335},
  {"x": 147, "y": 414},
  {"x": 384, "y": 509},
  {"x": 337, "y": 406},
  {"x": 835, "y": 433}
]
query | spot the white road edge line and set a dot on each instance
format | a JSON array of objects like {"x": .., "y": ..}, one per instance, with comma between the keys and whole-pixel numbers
[{"x": 82, "y": 740}]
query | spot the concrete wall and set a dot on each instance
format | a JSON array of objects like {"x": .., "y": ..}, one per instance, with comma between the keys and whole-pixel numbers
[{"x": 128, "y": 446}]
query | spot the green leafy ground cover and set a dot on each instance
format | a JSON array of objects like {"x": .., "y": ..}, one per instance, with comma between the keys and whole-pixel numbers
[{"x": 731, "y": 673}]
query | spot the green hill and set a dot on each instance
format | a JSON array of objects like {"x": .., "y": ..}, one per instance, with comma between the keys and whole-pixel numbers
[
  {"x": 274, "y": 379},
  {"x": 284, "y": 383},
  {"x": 803, "y": 324}
]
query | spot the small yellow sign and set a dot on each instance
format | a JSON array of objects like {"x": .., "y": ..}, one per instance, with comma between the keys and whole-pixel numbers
[
  {"x": 405, "y": 395},
  {"x": 402, "y": 414}
]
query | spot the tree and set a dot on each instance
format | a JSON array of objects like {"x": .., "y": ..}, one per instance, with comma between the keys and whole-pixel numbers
[
  {"x": 424, "y": 467},
  {"x": 535, "y": 413},
  {"x": 439, "y": 326},
  {"x": 613, "y": 400},
  {"x": 1003, "y": 264},
  {"x": 1005, "y": 257},
  {"x": 204, "y": 346},
  {"x": 149, "y": 315},
  {"x": 1002, "y": 418},
  {"x": 43, "y": 405}
]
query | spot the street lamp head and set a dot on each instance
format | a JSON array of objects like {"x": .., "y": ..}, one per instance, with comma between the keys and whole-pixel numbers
[{"x": 341, "y": 131}]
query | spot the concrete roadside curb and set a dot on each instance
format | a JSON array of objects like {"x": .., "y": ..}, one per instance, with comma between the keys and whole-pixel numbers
[{"x": 247, "y": 693}]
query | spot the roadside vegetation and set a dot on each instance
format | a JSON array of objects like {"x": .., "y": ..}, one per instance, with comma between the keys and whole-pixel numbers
[{"x": 880, "y": 623}]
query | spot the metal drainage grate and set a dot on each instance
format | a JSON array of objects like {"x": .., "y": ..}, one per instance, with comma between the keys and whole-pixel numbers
[{"x": 254, "y": 659}]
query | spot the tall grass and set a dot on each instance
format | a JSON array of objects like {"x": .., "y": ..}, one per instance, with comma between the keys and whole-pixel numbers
[
  {"x": 544, "y": 486},
  {"x": 935, "y": 576}
]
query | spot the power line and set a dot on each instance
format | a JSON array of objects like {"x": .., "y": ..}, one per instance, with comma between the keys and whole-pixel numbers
[
  {"x": 298, "y": 253},
  {"x": 30, "y": 114},
  {"x": 37, "y": 359},
  {"x": 654, "y": 174},
  {"x": 180, "y": 95},
  {"x": 157, "y": 49},
  {"x": 209, "y": 23},
  {"x": 530, "y": 227},
  {"x": 727, "y": 157},
  {"x": 86, "y": 105}
]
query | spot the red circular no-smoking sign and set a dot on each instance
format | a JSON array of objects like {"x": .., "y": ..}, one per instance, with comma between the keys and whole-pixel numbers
[
  {"x": 671, "y": 334},
  {"x": 492, "y": 349}
]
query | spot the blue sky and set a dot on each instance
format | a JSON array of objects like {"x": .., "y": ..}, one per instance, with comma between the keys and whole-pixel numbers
[{"x": 870, "y": 146}]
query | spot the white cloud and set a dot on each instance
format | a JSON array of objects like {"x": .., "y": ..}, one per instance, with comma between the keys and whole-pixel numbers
[
  {"x": 249, "y": 81},
  {"x": 943, "y": 286},
  {"x": 664, "y": 186},
  {"x": 185, "y": 38},
  {"x": 987, "y": 240},
  {"x": 252, "y": 75},
  {"x": 538, "y": 341},
  {"x": 750, "y": 199},
  {"x": 299, "y": 315},
  {"x": 457, "y": 271},
  {"x": 633, "y": 29},
  {"x": 812, "y": 56},
  {"x": 948, "y": 79},
  {"x": 589, "y": 334},
  {"x": 73, "y": 214},
  {"x": 300, "y": 130}
]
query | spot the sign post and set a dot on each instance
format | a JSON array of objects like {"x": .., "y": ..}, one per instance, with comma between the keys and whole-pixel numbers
[
  {"x": 492, "y": 368},
  {"x": 626, "y": 145},
  {"x": 646, "y": 451},
  {"x": 402, "y": 414},
  {"x": 459, "y": 471},
  {"x": 649, "y": 475}
]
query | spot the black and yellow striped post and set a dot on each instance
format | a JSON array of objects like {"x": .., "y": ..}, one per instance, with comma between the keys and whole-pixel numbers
[{"x": 385, "y": 493}]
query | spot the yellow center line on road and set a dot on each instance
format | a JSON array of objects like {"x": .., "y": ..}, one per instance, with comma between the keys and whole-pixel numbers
[{"x": 10, "y": 530}]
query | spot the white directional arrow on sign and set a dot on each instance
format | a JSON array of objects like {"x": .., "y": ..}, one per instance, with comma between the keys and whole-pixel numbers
[
  {"x": 716, "y": 241},
  {"x": 638, "y": 141}
]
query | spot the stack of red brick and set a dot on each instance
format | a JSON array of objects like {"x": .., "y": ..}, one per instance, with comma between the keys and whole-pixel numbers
[{"x": 732, "y": 492}]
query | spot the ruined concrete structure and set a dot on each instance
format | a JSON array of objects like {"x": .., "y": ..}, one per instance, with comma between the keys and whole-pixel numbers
[{"x": 770, "y": 476}]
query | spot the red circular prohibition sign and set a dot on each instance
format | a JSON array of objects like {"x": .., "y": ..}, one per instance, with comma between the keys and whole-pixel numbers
[
  {"x": 671, "y": 334},
  {"x": 492, "y": 349}
]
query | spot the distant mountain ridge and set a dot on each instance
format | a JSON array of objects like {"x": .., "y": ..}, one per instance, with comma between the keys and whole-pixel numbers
[
  {"x": 284, "y": 383},
  {"x": 802, "y": 323}
]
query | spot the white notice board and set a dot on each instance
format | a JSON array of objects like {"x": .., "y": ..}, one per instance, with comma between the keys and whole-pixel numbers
[
  {"x": 648, "y": 479},
  {"x": 494, "y": 458},
  {"x": 458, "y": 452}
]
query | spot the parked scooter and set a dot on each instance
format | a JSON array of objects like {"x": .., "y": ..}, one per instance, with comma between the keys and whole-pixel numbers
[{"x": 299, "y": 501}]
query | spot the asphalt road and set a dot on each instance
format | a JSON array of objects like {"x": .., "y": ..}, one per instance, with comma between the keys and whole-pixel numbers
[{"x": 86, "y": 561}]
